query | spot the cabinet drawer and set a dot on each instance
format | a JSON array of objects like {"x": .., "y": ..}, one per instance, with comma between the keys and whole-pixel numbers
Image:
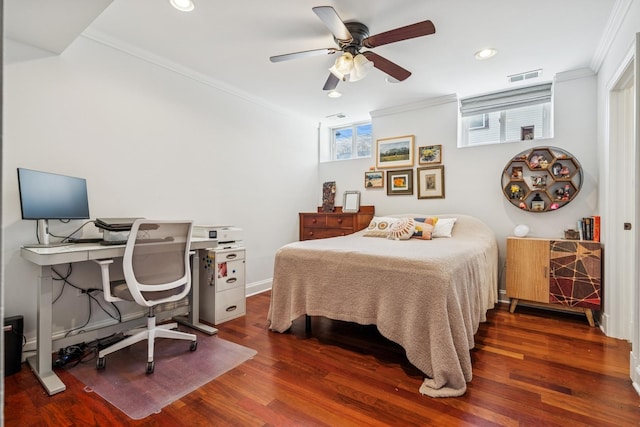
[
  {"x": 230, "y": 304},
  {"x": 315, "y": 233},
  {"x": 230, "y": 275},
  {"x": 229, "y": 255},
  {"x": 340, "y": 221},
  {"x": 314, "y": 221}
]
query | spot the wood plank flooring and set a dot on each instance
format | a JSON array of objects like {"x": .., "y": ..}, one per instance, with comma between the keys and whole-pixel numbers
[{"x": 531, "y": 368}]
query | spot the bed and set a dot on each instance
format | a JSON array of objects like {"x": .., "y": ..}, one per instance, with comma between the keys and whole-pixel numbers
[{"x": 429, "y": 296}]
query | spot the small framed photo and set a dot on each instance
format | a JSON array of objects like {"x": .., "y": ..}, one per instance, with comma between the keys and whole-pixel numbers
[
  {"x": 430, "y": 154},
  {"x": 394, "y": 152},
  {"x": 526, "y": 133},
  {"x": 374, "y": 179},
  {"x": 400, "y": 182},
  {"x": 431, "y": 182}
]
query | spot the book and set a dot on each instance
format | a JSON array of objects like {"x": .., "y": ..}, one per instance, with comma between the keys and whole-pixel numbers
[
  {"x": 588, "y": 230},
  {"x": 596, "y": 221},
  {"x": 580, "y": 226}
]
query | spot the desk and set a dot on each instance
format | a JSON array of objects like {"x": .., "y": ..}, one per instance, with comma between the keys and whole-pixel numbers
[{"x": 78, "y": 252}]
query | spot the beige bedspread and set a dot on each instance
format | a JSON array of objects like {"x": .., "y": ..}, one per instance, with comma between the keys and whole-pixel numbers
[{"x": 429, "y": 296}]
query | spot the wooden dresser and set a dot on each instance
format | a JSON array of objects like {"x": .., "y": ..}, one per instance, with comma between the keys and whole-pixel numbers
[{"x": 320, "y": 225}]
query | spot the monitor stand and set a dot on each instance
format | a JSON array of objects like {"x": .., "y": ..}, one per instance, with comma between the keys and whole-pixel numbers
[{"x": 43, "y": 237}]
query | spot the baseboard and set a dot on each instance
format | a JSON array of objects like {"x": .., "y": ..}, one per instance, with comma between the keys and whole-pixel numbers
[{"x": 258, "y": 287}]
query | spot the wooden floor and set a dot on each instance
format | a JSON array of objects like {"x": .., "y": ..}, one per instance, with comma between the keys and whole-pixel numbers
[{"x": 531, "y": 368}]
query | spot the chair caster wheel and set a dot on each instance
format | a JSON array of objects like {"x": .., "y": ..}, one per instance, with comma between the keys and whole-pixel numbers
[
  {"x": 194, "y": 345},
  {"x": 150, "y": 366},
  {"x": 101, "y": 363}
]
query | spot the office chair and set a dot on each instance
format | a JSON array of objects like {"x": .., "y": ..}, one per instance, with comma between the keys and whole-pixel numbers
[{"x": 156, "y": 270}]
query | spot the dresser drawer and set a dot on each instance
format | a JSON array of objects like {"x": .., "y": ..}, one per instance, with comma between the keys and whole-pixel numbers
[
  {"x": 323, "y": 233},
  {"x": 314, "y": 221},
  {"x": 340, "y": 221}
]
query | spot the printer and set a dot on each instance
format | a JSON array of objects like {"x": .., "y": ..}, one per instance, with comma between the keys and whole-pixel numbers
[{"x": 227, "y": 236}]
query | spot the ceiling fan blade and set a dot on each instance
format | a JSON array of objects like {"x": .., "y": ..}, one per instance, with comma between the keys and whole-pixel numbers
[
  {"x": 303, "y": 54},
  {"x": 418, "y": 29},
  {"x": 330, "y": 17},
  {"x": 386, "y": 66},
  {"x": 331, "y": 83}
]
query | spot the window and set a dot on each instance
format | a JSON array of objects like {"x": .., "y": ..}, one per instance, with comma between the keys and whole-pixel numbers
[
  {"x": 513, "y": 115},
  {"x": 351, "y": 142}
]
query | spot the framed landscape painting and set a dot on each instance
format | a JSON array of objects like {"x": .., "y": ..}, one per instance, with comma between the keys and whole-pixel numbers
[
  {"x": 374, "y": 179},
  {"x": 394, "y": 152}
]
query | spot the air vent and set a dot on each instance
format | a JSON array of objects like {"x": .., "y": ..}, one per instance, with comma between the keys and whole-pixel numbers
[
  {"x": 528, "y": 75},
  {"x": 337, "y": 116}
]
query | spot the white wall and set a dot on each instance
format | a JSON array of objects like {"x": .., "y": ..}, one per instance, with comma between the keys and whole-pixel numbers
[
  {"x": 150, "y": 143},
  {"x": 473, "y": 175}
]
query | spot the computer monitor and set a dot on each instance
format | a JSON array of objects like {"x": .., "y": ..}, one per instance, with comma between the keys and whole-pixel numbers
[{"x": 45, "y": 196}]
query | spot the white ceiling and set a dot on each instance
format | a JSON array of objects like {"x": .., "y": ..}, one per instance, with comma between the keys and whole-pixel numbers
[{"x": 228, "y": 44}]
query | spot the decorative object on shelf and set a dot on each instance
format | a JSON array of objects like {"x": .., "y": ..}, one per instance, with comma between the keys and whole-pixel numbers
[
  {"x": 431, "y": 182},
  {"x": 552, "y": 174},
  {"x": 521, "y": 230},
  {"x": 394, "y": 152},
  {"x": 526, "y": 133},
  {"x": 516, "y": 172},
  {"x": 431, "y": 154},
  {"x": 374, "y": 179},
  {"x": 539, "y": 181},
  {"x": 537, "y": 204},
  {"x": 400, "y": 182},
  {"x": 328, "y": 196},
  {"x": 351, "y": 202}
]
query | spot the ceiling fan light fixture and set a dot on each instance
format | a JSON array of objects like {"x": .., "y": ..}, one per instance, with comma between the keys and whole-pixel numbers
[
  {"x": 344, "y": 63},
  {"x": 334, "y": 94},
  {"x": 485, "y": 53},
  {"x": 337, "y": 73},
  {"x": 183, "y": 5},
  {"x": 361, "y": 67}
]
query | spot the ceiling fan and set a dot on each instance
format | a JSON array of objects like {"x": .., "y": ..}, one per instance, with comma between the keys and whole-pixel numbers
[{"x": 351, "y": 37}]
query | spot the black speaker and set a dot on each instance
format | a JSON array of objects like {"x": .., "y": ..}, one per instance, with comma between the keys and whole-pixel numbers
[{"x": 12, "y": 344}]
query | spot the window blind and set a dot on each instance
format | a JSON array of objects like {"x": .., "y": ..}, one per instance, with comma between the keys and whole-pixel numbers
[{"x": 498, "y": 101}]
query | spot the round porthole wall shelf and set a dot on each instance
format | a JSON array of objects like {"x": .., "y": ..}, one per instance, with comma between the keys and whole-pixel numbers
[{"x": 542, "y": 179}]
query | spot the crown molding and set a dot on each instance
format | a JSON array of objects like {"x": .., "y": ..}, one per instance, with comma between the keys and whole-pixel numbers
[
  {"x": 618, "y": 13},
  {"x": 160, "y": 61}
]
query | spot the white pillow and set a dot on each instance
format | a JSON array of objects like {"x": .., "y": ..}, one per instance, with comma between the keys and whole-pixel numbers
[
  {"x": 443, "y": 227},
  {"x": 402, "y": 229},
  {"x": 379, "y": 226}
]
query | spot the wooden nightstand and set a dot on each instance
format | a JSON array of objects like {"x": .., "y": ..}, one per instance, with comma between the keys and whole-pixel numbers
[{"x": 320, "y": 225}]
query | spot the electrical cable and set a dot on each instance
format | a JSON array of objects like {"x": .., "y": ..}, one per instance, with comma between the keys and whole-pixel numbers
[{"x": 65, "y": 279}]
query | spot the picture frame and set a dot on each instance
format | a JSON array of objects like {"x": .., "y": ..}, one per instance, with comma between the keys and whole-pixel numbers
[
  {"x": 431, "y": 182},
  {"x": 526, "y": 133},
  {"x": 351, "y": 202},
  {"x": 400, "y": 182},
  {"x": 430, "y": 154},
  {"x": 374, "y": 179},
  {"x": 394, "y": 152}
]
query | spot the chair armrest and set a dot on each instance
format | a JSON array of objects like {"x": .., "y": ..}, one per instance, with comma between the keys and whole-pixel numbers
[{"x": 106, "y": 280}]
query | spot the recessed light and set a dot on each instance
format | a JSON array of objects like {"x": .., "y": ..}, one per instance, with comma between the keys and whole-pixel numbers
[
  {"x": 334, "y": 94},
  {"x": 183, "y": 5},
  {"x": 485, "y": 53}
]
